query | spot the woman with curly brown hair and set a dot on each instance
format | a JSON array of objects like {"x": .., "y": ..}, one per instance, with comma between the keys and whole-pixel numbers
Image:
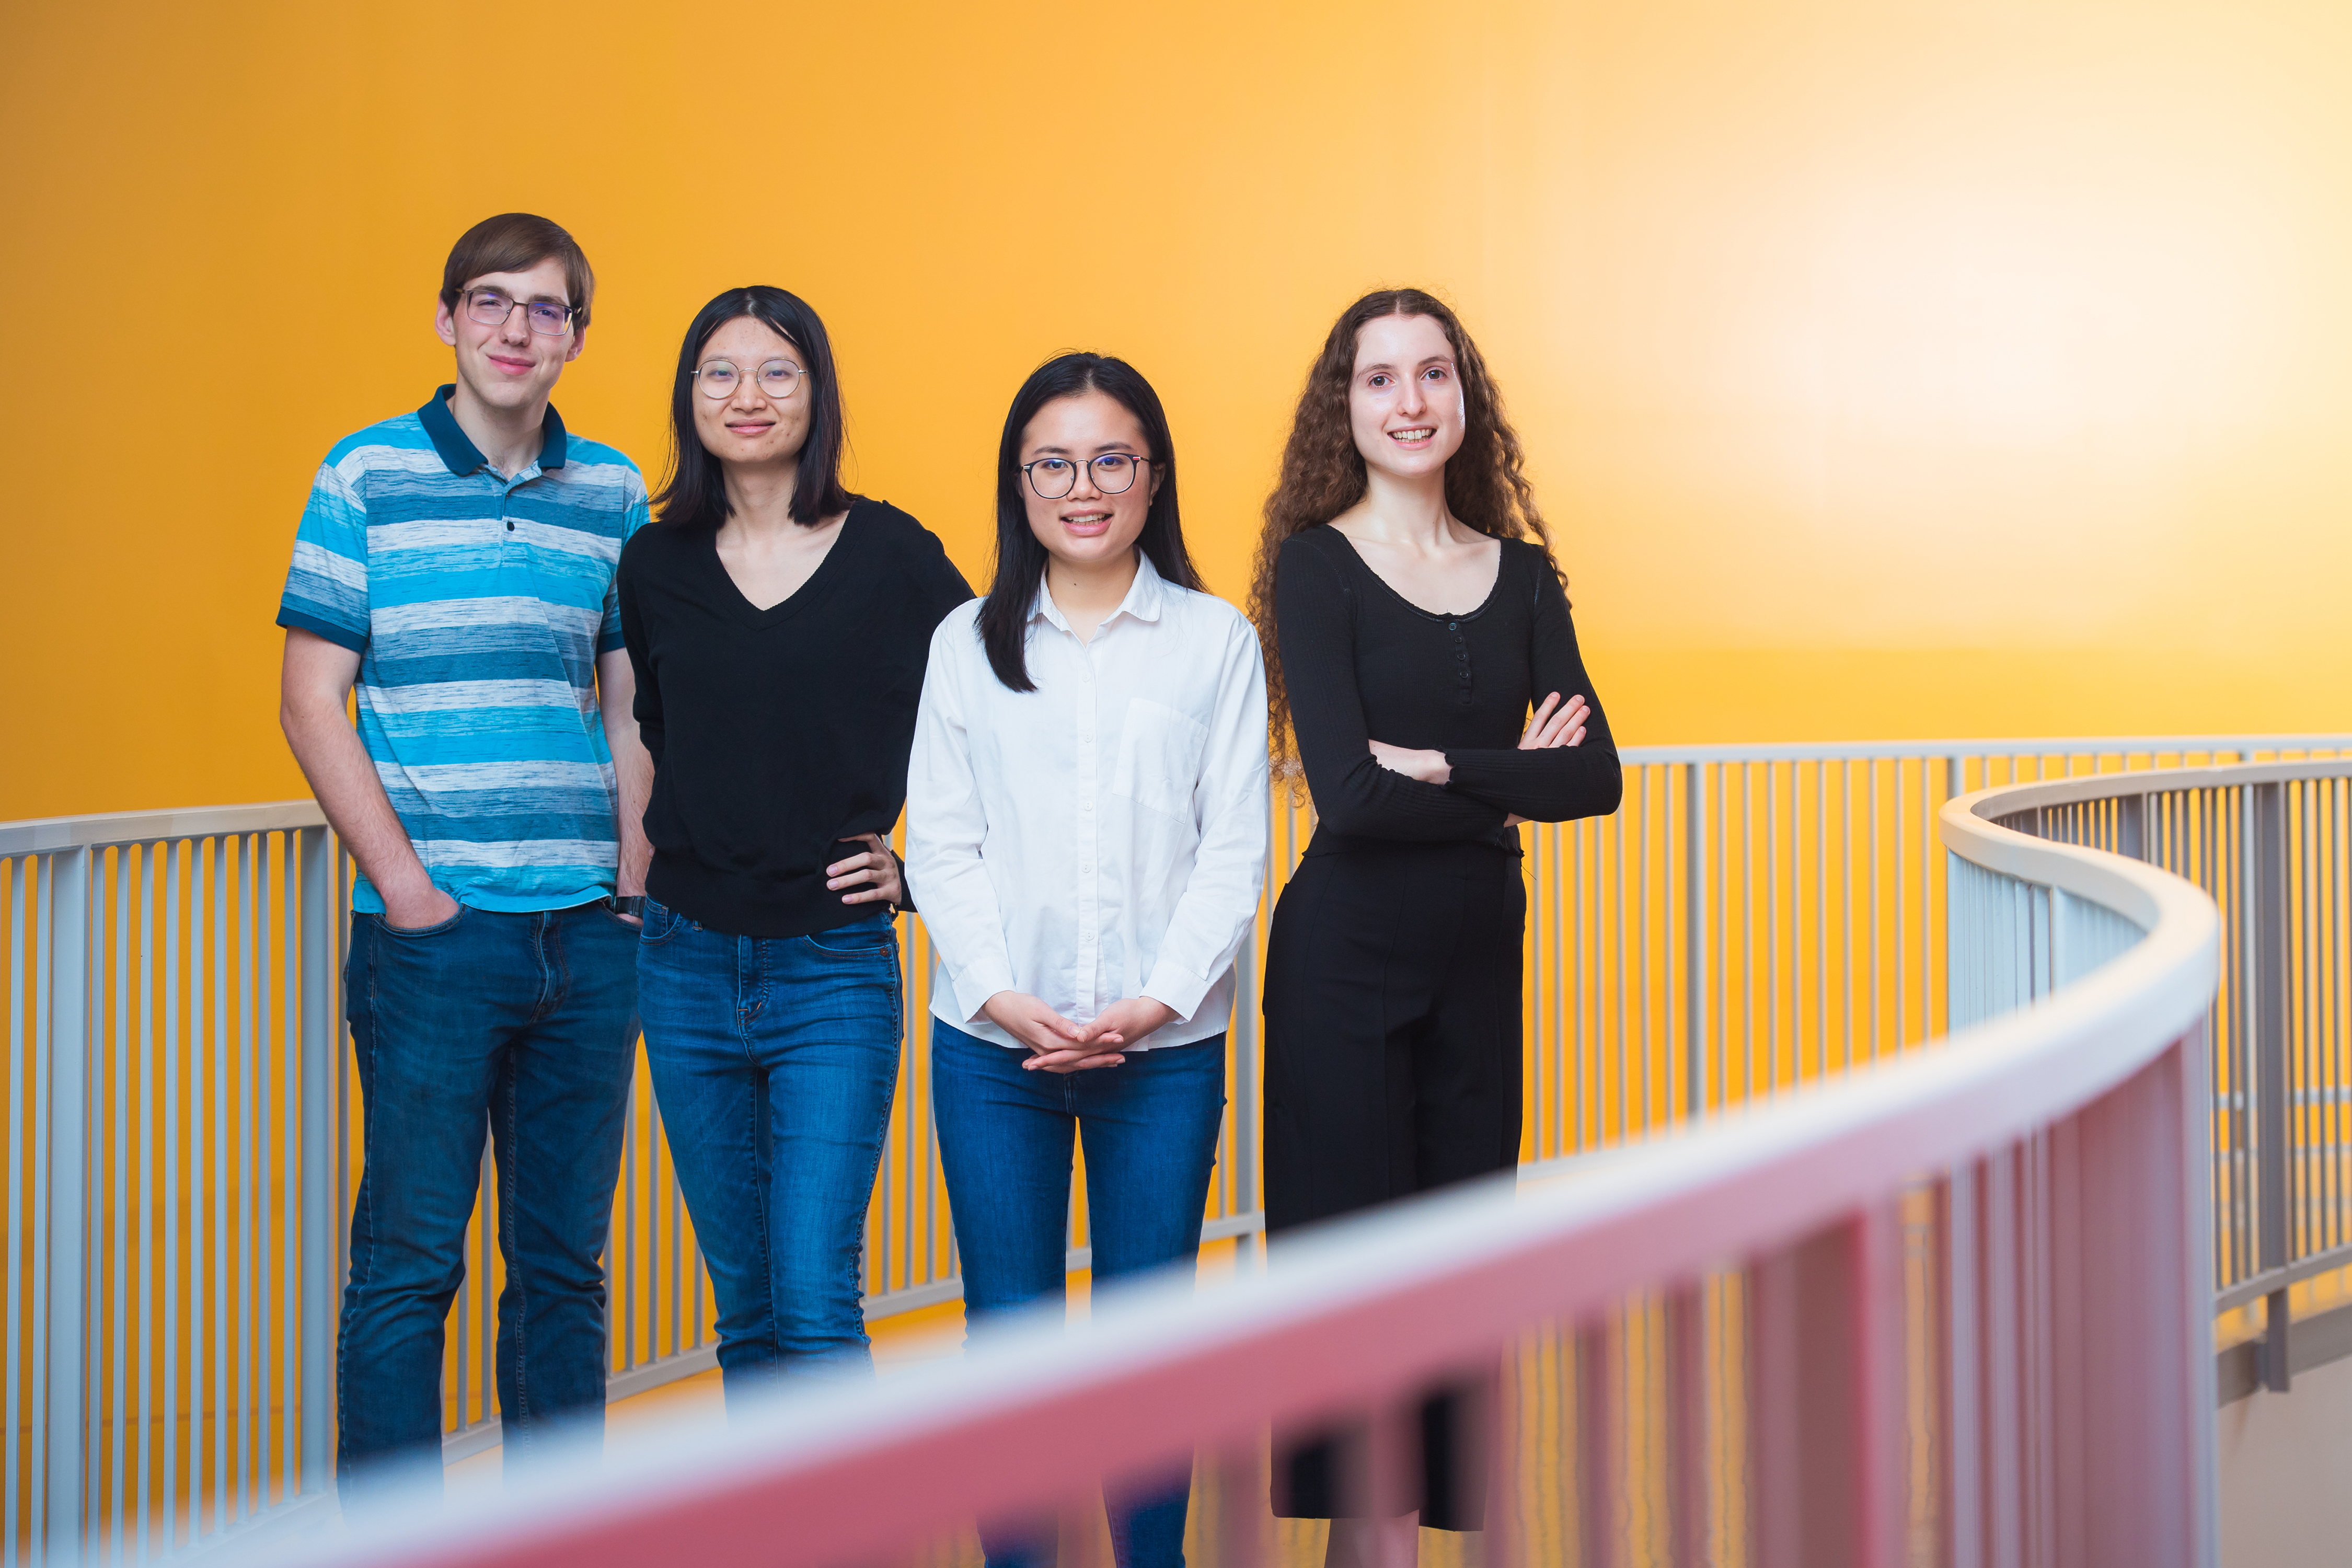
[{"x": 1411, "y": 616}]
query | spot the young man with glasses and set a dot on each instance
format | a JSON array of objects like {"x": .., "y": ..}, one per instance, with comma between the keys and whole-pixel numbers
[{"x": 457, "y": 564}]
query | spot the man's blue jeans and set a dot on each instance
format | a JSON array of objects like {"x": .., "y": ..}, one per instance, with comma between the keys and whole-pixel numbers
[
  {"x": 1150, "y": 1128},
  {"x": 527, "y": 1023},
  {"x": 775, "y": 1059}
]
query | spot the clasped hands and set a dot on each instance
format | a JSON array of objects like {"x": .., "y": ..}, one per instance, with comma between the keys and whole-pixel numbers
[
  {"x": 1057, "y": 1045},
  {"x": 1554, "y": 724}
]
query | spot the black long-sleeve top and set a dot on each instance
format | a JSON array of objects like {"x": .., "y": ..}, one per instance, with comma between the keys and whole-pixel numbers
[
  {"x": 776, "y": 733},
  {"x": 1361, "y": 663}
]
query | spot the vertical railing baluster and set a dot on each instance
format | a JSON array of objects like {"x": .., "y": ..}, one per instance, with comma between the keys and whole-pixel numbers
[
  {"x": 1773, "y": 969},
  {"x": 1821, "y": 918},
  {"x": 220, "y": 1184},
  {"x": 2272, "y": 1086},
  {"x": 1600, "y": 1472},
  {"x": 318, "y": 1199},
  {"x": 113, "y": 1313},
  {"x": 19, "y": 1411},
  {"x": 1697, "y": 958},
  {"x": 68, "y": 990},
  {"x": 1685, "y": 1406},
  {"x": 151, "y": 1066},
  {"x": 1962, "y": 1427},
  {"x": 171, "y": 1067},
  {"x": 249, "y": 883}
]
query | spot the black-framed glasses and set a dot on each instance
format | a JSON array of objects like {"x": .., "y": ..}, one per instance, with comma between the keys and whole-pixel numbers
[
  {"x": 1053, "y": 478},
  {"x": 491, "y": 307},
  {"x": 778, "y": 378}
]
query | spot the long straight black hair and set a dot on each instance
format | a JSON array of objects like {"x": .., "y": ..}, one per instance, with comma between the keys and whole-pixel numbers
[
  {"x": 695, "y": 493},
  {"x": 1019, "y": 558}
]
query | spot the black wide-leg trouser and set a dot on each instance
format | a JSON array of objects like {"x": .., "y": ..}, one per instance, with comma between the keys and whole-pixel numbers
[{"x": 1392, "y": 1041}]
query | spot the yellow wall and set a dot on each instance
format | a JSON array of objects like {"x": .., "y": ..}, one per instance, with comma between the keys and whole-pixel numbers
[{"x": 1889, "y": 369}]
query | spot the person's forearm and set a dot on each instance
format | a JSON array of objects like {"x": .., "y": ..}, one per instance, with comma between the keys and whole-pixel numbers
[
  {"x": 344, "y": 781},
  {"x": 632, "y": 784}
]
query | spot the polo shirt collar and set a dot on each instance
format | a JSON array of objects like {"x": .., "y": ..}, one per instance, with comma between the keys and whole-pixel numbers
[
  {"x": 1144, "y": 596},
  {"x": 456, "y": 450}
]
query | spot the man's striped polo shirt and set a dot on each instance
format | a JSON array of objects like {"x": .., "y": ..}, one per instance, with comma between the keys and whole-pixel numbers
[{"x": 478, "y": 606}]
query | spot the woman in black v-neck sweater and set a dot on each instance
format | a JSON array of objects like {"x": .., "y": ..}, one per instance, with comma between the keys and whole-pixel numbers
[
  {"x": 778, "y": 733},
  {"x": 1392, "y": 970},
  {"x": 768, "y": 964}
]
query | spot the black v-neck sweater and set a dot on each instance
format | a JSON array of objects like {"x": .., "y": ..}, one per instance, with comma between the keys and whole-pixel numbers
[
  {"x": 1362, "y": 663},
  {"x": 776, "y": 733}
]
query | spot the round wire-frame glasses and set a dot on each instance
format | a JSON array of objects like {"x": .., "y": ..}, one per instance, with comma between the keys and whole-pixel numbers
[
  {"x": 778, "y": 378},
  {"x": 1053, "y": 478}
]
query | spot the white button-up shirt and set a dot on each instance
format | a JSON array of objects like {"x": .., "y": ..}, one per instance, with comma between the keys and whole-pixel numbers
[{"x": 1105, "y": 835}]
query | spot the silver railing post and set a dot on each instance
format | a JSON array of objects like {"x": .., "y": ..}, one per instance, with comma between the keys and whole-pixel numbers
[
  {"x": 319, "y": 1039},
  {"x": 68, "y": 982},
  {"x": 1695, "y": 954},
  {"x": 2271, "y": 1086}
]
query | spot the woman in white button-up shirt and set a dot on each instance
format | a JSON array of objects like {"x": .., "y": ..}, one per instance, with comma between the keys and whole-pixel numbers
[{"x": 1086, "y": 831}]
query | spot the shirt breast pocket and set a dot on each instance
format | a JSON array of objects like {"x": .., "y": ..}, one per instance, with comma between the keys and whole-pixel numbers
[{"x": 1160, "y": 752}]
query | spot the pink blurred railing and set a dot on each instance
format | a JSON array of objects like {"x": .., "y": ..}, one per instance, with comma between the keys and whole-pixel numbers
[{"x": 1954, "y": 1308}]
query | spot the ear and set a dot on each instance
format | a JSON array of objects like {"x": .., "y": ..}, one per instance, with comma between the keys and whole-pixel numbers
[
  {"x": 444, "y": 321},
  {"x": 578, "y": 341}
]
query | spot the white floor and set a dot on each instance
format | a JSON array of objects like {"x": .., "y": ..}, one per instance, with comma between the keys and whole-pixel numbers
[{"x": 2286, "y": 1474}]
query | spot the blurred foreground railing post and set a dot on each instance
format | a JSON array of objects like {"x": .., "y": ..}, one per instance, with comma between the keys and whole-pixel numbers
[
  {"x": 2135, "y": 1411},
  {"x": 1826, "y": 1350},
  {"x": 2273, "y": 1089},
  {"x": 1685, "y": 1410},
  {"x": 66, "y": 1067}
]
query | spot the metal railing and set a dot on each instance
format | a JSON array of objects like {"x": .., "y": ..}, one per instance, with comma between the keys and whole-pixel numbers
[
  {"x": 2271, "y": 844},
  {"x": 1706, "y": 1346},
  {"x": 181, "y": 1118}
]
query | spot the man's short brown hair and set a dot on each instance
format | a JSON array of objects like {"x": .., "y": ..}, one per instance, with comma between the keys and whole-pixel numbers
[{"x": 517, "y": 242}]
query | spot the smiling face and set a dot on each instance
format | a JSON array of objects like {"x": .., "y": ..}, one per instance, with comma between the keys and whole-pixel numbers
[
  {"x": 1404, "y": 397},
  {"x": 509, "y": 366},
  {"x": 749, "y": 426},
  {"x": 1086, "y": 528}
]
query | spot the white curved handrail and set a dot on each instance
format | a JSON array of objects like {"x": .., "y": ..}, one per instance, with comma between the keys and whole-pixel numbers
[
  {"x": 1375, "y": 1308},
  {"x": 98, "y": 830}
]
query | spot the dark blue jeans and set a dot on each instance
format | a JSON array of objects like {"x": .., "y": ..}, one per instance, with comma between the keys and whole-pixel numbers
[
  {"x": 527, "y": 1023},
  {"x": 775, "y": 1059},
  {"x": 1150, "y": 1130}
]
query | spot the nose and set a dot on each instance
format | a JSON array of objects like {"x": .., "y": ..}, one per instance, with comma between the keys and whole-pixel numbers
[
  {"x": 1084, "y": 485},
  {"x": 1409, "y": 401},
  {"x": 516, "y": 328}
]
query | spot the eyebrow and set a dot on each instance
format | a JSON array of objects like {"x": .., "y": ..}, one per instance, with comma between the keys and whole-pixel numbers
[
  {"x": 1105, "y": 450},
  {"x": 1433, "y": 358}
]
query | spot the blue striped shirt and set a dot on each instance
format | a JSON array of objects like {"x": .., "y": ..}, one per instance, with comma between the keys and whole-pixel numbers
[{"x": 477, "y": 605}]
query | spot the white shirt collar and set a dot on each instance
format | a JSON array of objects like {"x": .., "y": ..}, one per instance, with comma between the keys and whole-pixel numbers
[{"x": 1144, "y": 598}]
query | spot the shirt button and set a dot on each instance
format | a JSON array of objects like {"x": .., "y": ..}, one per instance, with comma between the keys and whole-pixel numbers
[{"x": 510, "y": 525}]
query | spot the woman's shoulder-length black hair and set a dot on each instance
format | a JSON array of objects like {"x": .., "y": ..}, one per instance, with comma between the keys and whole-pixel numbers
[
  {"x": 695, "y": 493},
  {"x": 1019, "y": 558}
]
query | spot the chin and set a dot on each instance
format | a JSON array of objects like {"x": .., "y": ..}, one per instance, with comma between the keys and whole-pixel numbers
[{"x": 505, "y": 394}]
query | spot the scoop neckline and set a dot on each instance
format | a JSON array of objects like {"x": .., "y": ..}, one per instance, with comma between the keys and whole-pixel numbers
[{"x": 1447, "y": 616}]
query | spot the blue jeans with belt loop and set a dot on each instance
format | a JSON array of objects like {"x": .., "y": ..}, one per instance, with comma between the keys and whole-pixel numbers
[
  {"x": 522, "y": 1026},
  {"x": 774, "y": 1061},
  {"x": 1151, "y": 1126}
]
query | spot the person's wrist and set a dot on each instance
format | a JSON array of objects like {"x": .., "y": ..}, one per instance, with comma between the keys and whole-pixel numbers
[{"x": 416, "y": 895}]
